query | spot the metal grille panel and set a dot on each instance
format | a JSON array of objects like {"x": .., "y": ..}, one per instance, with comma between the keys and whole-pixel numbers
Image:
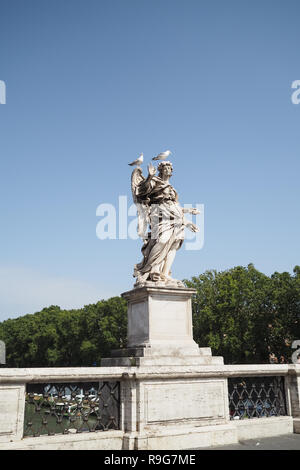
[
  {"x": 256, "y": 397},
  {"x": 66, "y": 408}
]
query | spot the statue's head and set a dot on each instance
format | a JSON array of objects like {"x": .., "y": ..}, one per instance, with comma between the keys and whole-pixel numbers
[{"x": 165, "y": 169}]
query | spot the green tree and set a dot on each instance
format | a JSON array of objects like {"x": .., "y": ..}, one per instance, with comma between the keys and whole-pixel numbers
[
  {"x": 241, "y": 313},
  {"x": 285, "y": 322},
  {"x": 55, "y": 337},
  {"x": 231, "y": 313}
]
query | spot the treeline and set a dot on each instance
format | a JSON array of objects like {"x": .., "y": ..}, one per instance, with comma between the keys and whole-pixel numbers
[
  {"x": 246, "y": 316},
  {"x": 55, "y": 337},
  {"x": 242, "y": 314}
]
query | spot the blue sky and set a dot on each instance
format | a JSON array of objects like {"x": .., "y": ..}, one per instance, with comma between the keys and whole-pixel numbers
[{"x": 91, "y": 84}]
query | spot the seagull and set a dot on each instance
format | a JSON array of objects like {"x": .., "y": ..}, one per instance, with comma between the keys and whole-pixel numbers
[
  {"x": 162, "y": 155},
  {"x": 138, "y": 161}
]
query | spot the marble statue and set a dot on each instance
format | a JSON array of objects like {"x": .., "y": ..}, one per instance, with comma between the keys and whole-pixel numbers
[{"x": 161, "y": 224}]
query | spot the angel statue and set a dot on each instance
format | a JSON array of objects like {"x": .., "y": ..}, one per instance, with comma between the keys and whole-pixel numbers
[{"x": 161, "y": 224}]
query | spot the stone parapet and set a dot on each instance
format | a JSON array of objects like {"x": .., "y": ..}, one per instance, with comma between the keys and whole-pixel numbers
[{"x": 163, "y": 407}]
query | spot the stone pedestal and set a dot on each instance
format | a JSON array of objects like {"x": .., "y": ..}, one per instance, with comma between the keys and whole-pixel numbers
[
  {"x": 160, "y": 330},
  {"x": 176, "y": 411}
]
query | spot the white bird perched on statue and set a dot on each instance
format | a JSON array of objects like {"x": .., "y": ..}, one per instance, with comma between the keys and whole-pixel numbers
[
  {"x": 138, "y": 161},
  {"x": 162, "y": 155}
]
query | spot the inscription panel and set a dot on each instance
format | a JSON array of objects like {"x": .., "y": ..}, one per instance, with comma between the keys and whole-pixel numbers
[
  {"x": 169, "y": 318},
  {"x": 184, "y": 401},
  {"x": 138, "y": 323}
]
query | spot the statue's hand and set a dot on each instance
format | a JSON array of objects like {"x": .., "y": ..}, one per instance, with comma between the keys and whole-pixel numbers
[
  {"x": 151, "y": 170},
  {"x": 192, "y": 227},
  {"x": 194, "y": 211},
  {"x": 190, "y": 211}
]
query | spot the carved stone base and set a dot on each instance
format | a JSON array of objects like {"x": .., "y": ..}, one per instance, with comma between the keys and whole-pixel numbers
[
  {"x": 160, "y": 330},
  {"x": 137, "y": 357},
  {"x": 170, "y": 283}
]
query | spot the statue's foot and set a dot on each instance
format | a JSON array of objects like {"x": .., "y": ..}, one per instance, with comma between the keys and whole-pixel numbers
[
  {"x": 172, "y": 282},
  {"x": 158, "y": 279},
  {"x": 176, "y": 283}
]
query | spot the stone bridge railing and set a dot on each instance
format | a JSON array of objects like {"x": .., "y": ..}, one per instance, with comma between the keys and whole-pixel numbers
[{"x": 137, "y": 407}]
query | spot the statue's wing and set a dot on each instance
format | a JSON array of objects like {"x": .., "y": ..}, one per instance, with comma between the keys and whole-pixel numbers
[
  {"x": 143, "y": 208},
  {"x": 136, "y": 178}
]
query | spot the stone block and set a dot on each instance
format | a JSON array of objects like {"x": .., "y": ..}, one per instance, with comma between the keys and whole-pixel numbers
[
  {"x": 161, "y": 317},
  {"x": 12, "y": 402},
  {"x": 107, "y": 440},
  {"x": 185, "y": 438},
  {"x": 160, "y": 330},
  {"x": 257, "y": 428},
  {"x": 2, "y": 352},
  {"x": 297, "y": 425},
  {"x": 178, "y": 402}
]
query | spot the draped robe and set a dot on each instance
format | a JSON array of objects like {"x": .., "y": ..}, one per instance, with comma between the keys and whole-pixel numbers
[{"x": 166, "y": 224}]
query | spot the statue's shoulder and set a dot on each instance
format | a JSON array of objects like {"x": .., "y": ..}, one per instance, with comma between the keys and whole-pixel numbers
[
  {"x": 157, "y": 179},
  {"x": 161, "y": 182}
]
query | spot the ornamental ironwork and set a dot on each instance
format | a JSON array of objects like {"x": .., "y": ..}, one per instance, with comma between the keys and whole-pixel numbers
[
  {"x": 256, "y": 397},
  {"x": 66, "y": 408}
]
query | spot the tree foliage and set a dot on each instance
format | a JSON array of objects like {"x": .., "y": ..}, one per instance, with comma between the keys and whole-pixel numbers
[
  {"x": 55, "y": 337},
  {"x": 242, "y": 314},
  {"x": 246, "y": 316}
]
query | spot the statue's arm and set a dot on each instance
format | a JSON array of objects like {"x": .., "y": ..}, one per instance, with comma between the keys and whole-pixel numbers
[
  {"x": 146, "y": 186},
  {"x": 188, "y": 223},
  {"x": 192, "y": 210}
]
